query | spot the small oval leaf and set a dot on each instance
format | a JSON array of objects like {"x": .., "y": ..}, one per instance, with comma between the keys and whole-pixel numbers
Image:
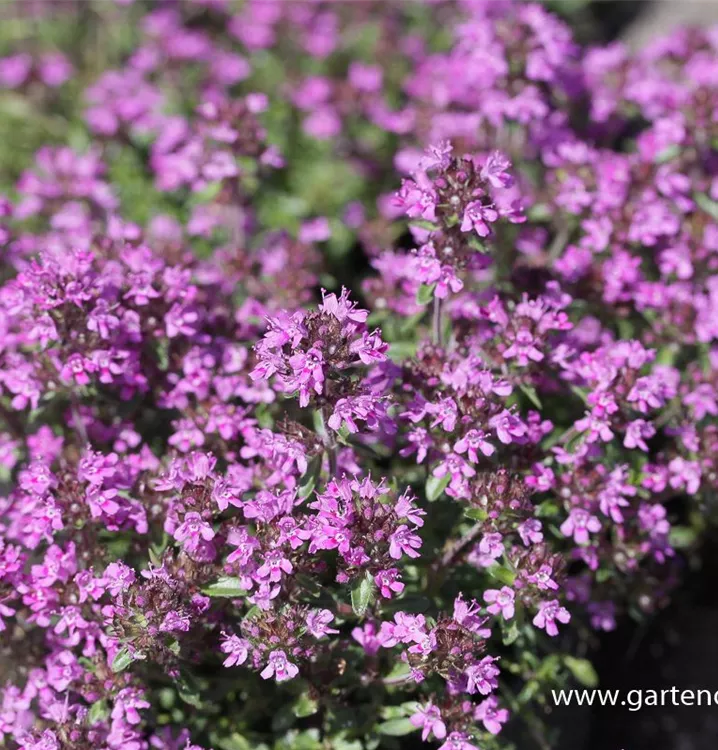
[
  {"x": 362, "y": 595},
  {"x": 123, "y": 659},
  {"x": 425, "y": 294},
  {"x": 435, "y": 486},
  {"x": 228, "y": 586},
  {"x": 582, "y": 670},
  {"x": 396, "y": 727}
]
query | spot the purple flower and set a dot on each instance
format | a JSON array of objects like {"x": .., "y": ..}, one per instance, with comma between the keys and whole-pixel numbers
[
  {"x": 473, "y": 443},
  {"x": 175, "y": 621},
  {"x": 458, "y": 741},
  {"x": 428, "y": 717},
  {"x": 368, "y": 638},
  {"x": 481, "y": 677},
  {"x": 404, "y": 542},
  {"x": 478, "y": 217},
  {"x": 388, "y": 582},
  {"x": 530, "y": 531},
  {"x": 509, "y": 428},
  {"x": 491, "y": 545},
  {"x": 193, "y": 530},
  {"x": 279, "y": 667},
  {"x": 578, "y": 524},
  {"x": 547, "y": 615},
  {"x": 491, "y": 715},
  {"x": 236, "y": 648},
  {"x": 318, "y": 623},
  {"x": 494, "y": 170},
  {"x": 500, "y": 601}
]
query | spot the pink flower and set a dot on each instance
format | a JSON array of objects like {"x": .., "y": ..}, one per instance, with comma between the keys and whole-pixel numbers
[
  {"x": 388, "y": 582},
  {"x": 279, "y": 667},
  {"x": 508, "y": 427},
  {"x": 473, "y": 443},
  {"x": 318, "y": 623},
  {"x": 429, "y": 718},
  {"x": 404, "y": 542},
  {"x": 193, "y": 529},
  {"x": 530, "y": 531},
  {"x": 547, "y": 615},
  {"x": 237, "y": 649},
  {"x": 500, "y": 600},
  {"x": 491, "y": 715},
  {"x": 368, "y": 638},
  {"x": 477, "y": 217},
  {"x": 579, "y": 523},
  {"x": 458, "y": 741},
  {"x": 481, "y": 677},
  {"x": 494, "y": 170}
]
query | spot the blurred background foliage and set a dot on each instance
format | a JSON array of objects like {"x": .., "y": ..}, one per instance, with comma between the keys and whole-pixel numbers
[{"x": 87, "y": 32}]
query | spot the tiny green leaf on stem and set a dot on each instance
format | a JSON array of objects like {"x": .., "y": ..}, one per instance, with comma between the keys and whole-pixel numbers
[
  {"x": 582, "y": 670},
  {"x": 362, "y": 595},
  {"x": 435, "y": 486},
  {"x": 227, "y": 586},
  {"x": 396, "y": 727},
  {"x": 305, "y": 706},
  {"x": 425, "y": 294},
  {"x": 123, "y": 659},
  {"x": 530, "y": 392}
]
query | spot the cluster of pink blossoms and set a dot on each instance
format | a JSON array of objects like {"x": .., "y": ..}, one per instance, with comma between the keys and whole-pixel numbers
[{"x": 256, "y": 496}]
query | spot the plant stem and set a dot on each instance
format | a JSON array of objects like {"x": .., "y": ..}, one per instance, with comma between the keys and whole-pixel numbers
[
  {"x": 330, "y": 445},
  {"x": 437, "y": 323}
]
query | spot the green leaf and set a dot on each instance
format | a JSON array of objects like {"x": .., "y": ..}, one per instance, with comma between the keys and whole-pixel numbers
[
  {"x": 163, "y": 355},
  {"x": 435, "y": 486},
  {"x": 511, "y": 633},
  {"x": 539, "y": 212},
  {"x": 707, "y": 204},
  {"x": 401, "y": 350},
  {"x": 500, "y": 573},
  {"x": 682, "y": 537},
  {"x": 283, "y": 719},
  {"x": 98, "y": 712},
  {"x": 671, "y": 152},
  {"x": 582, "y": 670},
  {"x": 547, "y": 509},
  {"x": 396, "y": 727},
  {"x": 530, "y": 392},
  {"x": 667, "y": 354},
  {"x": 477, "y": 244},
  {"x": 408, "y": 325},
  {"x": 414, "y": 603},
  {"x": 399, "y": 671},
  {"x": 208, "y": 193},
  {"x": 603, "y": 575},
  {"x": 305, "y": 706},
  {"x": 236, "y": 742},
  {"x": 362, "y": 595},
  {"x": 476, "y": 514},
  {"x": 227, "y": 586},
  {"x": 309, "y": 480},
  {"x": 310, "y": 584},
  {"x": 123, "y": 659},
  {"x": 425, "y": 294},
  {"x": 575, "y": 442},
  {"x": 188, "y": 689},
  {"x": 424, "y": 224}
]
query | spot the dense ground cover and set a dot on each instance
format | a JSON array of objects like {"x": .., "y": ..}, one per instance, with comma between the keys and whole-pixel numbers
[{"x": 357, "y": 367}]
